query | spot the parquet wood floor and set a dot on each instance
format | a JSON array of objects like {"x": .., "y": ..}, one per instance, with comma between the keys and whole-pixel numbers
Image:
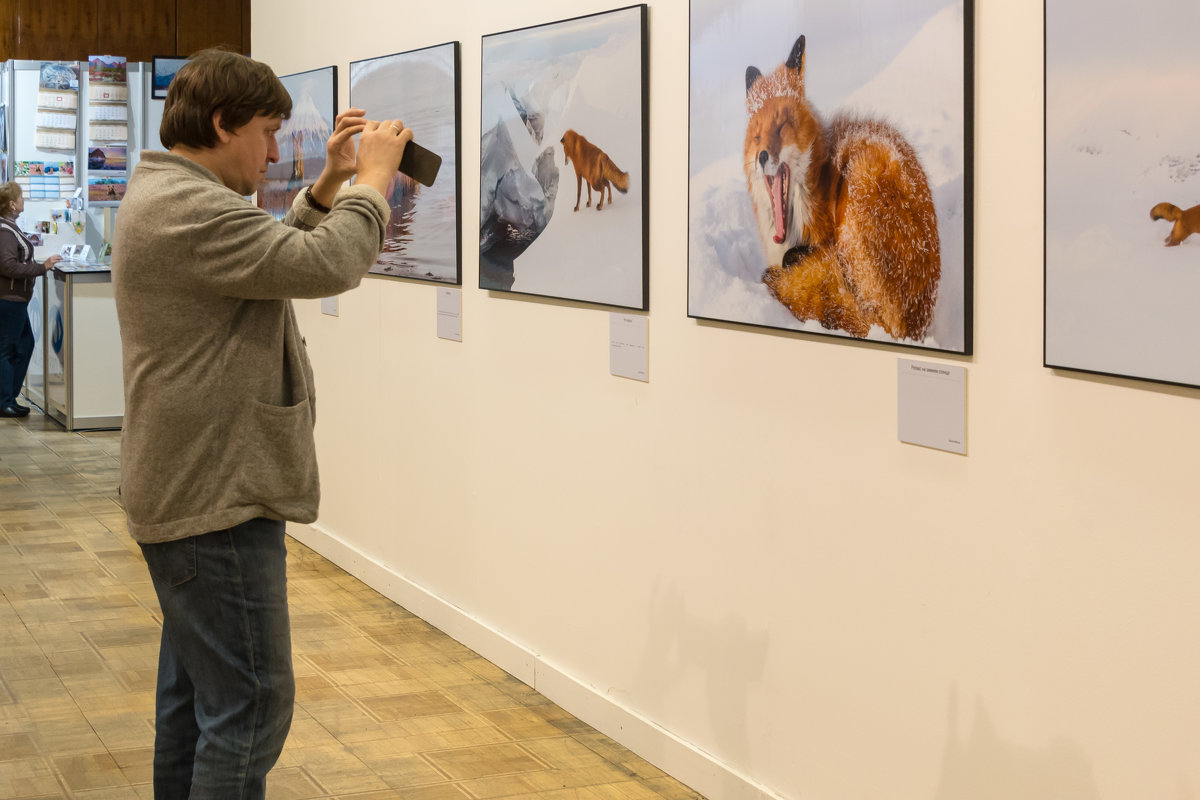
[{"x": 387, "y": 706}]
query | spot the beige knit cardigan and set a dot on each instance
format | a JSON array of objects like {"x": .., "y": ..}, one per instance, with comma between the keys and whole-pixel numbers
[{"x": 219, "y": 395}]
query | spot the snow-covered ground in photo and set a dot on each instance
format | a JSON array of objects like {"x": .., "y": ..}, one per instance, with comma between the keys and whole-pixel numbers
[
  {"x": 1122, "y": 135},
  {"x": 588, "y": 80},
  {"x": 908, "y": 70}
]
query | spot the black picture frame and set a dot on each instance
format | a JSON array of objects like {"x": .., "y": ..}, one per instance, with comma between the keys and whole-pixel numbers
[
  {"x": 762, "y": 252},
  {"x": 533, "y": 81},
  {"x": 162, "y": 72},
  {"x": 423, "y": 88}
]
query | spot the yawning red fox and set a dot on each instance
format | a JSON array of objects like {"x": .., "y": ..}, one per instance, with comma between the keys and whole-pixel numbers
[{"x": 844, "y": 211}]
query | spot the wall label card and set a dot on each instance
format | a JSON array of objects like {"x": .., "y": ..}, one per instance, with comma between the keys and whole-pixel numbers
[
  {"x": 449, "y": 314},
  {"x": 329, "y": 305},
  {"x": 628, "y": 354},
  {"x": 932, "y": 405}
]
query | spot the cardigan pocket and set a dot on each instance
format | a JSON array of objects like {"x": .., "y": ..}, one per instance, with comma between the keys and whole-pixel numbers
[{"x": 281, "y": 455}]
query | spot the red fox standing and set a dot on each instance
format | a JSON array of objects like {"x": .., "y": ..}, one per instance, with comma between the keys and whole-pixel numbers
[
  {"x": 844, "y": 211},
  {"x": 594, "y": 166},
  {"x": 1187, "y": 221}
]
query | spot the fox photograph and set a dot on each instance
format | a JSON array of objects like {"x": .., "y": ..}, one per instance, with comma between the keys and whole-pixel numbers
[
  {"x": 829, "y": 168},
  {"x": 562, "y": 160},
  {"x": 1123, "y": 189}
]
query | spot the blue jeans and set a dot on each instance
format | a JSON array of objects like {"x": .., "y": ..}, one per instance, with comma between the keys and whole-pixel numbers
[
  {"x": 225, "y": 683},
  {"x": 16, "y": 348}
]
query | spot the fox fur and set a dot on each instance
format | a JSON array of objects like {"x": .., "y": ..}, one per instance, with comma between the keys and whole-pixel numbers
[
  {"x": 1186, "y": 221},
  {"x": 844, "y": 211},
  {"x": 593, "y": 166}
]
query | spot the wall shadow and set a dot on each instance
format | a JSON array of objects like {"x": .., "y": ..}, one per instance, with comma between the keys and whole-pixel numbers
[
  {"x": 727, "y": 655},
  {"x": 981, "y": 764}
]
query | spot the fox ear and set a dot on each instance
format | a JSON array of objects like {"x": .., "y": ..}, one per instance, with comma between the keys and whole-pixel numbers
[
  {"x": 752, "y": 74},
  {"x": 796, "y": 59}
]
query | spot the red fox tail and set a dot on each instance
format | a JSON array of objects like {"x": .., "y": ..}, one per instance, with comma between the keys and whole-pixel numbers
[
  {"x": 1166, "y": 211},
  {"x": 615, "y": 176}
]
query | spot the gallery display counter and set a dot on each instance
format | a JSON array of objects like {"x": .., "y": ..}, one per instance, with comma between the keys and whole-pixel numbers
[{"x": 75, "y": 374}]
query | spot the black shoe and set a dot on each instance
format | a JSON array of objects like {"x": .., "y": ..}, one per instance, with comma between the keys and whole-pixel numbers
[{"x": 14, "y": 409}]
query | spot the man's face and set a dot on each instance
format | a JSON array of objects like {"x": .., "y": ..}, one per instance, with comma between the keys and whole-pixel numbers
[{"x": 248, "y": 151}]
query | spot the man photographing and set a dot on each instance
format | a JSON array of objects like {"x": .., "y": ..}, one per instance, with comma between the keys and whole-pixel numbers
[{"x": 217, "y": 449}]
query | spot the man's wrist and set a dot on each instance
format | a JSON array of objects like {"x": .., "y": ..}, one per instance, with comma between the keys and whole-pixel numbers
[
  {"x": 325, "y": 188},
  {"x": 378, "y": 178},
  {"x": 316, "y": 204}
]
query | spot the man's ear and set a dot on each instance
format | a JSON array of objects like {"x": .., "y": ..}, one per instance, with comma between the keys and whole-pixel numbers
[{"x": 223, "y": 136}]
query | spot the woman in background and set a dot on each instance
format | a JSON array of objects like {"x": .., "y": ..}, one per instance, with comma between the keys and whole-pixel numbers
[{"x": 17, "y": 273}]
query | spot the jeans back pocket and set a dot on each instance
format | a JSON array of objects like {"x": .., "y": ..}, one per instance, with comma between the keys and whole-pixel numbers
[{"x": 171, "y": 563}]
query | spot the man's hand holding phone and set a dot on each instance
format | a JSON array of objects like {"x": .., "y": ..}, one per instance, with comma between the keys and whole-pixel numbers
[{"x": 380, "y": 148}]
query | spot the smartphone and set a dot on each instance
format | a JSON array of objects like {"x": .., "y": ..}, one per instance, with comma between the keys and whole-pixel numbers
[{"x": 420, "y": 164}]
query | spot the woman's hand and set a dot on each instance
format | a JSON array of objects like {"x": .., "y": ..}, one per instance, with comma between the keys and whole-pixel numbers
[{"x": 51, "y": 261}]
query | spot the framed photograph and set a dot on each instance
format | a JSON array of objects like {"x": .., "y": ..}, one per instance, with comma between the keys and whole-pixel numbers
[
  {"x": 59, "y": 76},
  {"x": 108, "y": 158},
  {"x": 421, "y": 87},
  {"x": 106, "y": 191},
  {"x": 163, "y": 69},
  {"x": 1122, "y": 190},
  {"x": 301, "y": 139},
  {"x": 831, "y": 168},
  {"x": 108, "y": 70},
  {"x": 564, "y": 107}
]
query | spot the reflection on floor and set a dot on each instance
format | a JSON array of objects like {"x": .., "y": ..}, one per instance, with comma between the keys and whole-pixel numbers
[{"x": 387, "y": 706}]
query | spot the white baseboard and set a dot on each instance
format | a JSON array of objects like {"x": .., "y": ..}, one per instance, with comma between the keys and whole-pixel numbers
[{"x": 684, "y": 762}]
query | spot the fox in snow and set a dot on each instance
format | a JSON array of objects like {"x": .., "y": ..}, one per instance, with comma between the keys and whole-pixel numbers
[
  {"x": 594, "y": 166},
  {"x": 844, "y": 211},
  {"x": 1187, "y": 221}
]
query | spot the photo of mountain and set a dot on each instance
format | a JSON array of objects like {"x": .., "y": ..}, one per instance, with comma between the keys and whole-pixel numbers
[
  {"x": 884, "y": 81},
  {"x": 107, "y": 69},
  {"x": 301, "y": 138},
  {"x": 163, "y": 69}
]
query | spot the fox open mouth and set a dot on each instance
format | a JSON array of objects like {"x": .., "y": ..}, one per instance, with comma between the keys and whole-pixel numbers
[{"x": 777, "y": 187}]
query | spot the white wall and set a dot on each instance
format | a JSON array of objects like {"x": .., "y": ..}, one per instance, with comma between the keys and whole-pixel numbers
[{"x": 737, "y": 568}]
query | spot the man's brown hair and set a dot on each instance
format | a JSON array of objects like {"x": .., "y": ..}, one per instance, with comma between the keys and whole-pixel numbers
[{"x": 219, "y": 80}]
